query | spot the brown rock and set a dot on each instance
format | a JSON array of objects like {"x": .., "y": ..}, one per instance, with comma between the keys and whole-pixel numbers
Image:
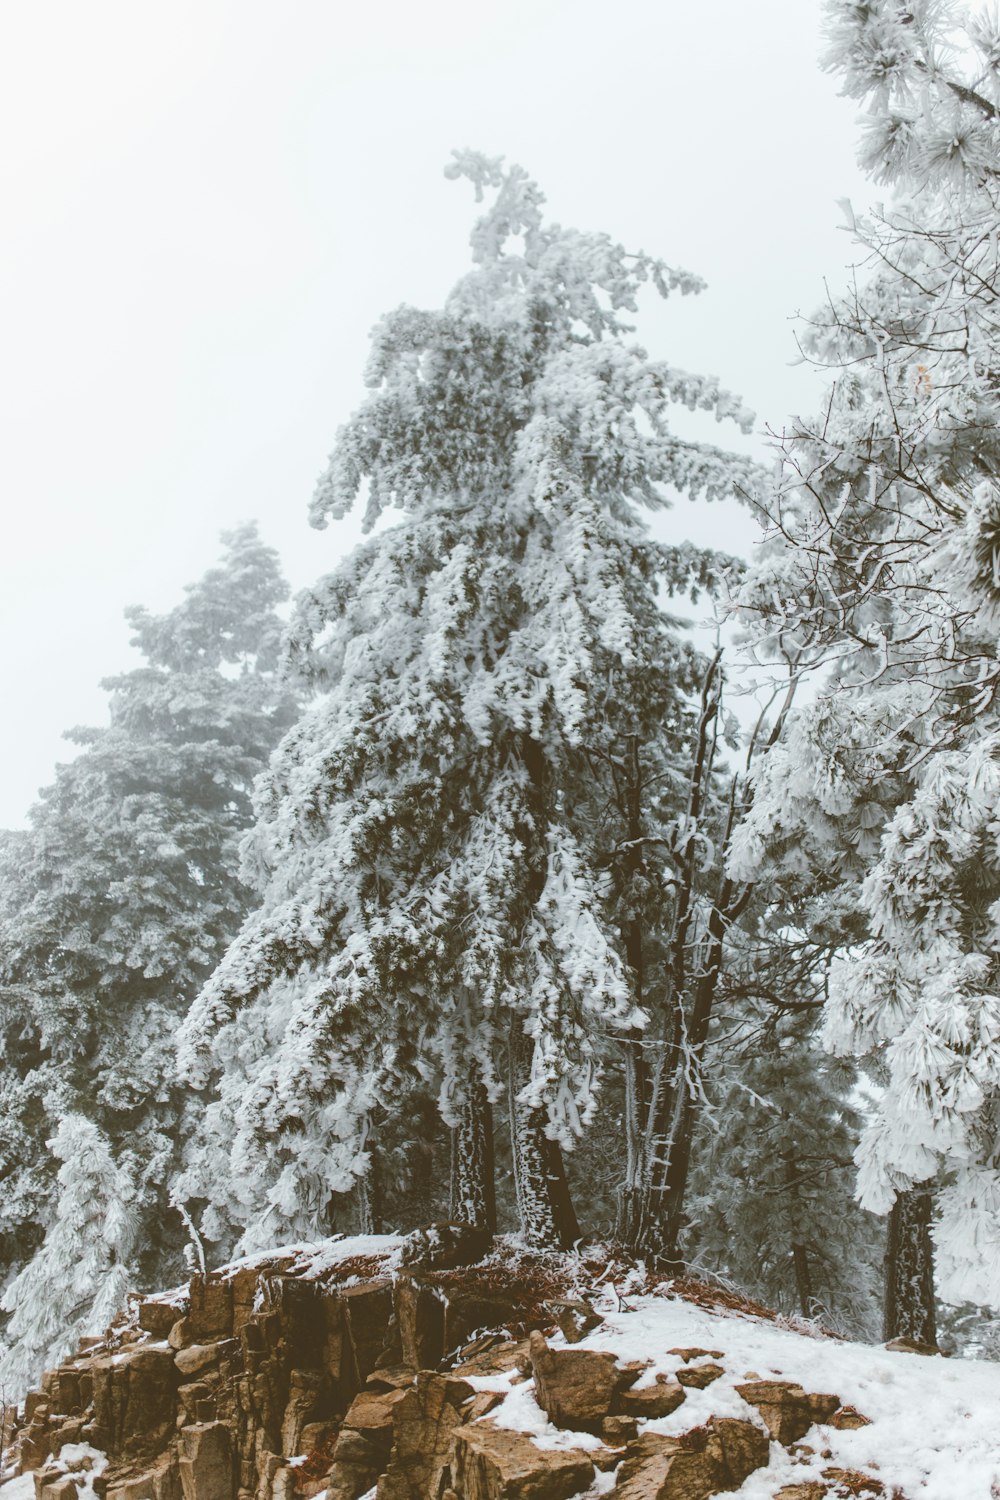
[
  {"x": 157, "y": 1318},
  {"x": 495, "y": 1359},
  {"x": 853, "y": 1482},
  {"x": 33, "y": 1449},
  {"x": 189, "y": 1396},
  {"x": 302, "y": 1407},
  {"x": 371, "y": 1415},
  {"x": 629, "y": 1373},
  {"x": 619, "y": 1430},
  {"x": 36, "y": 1406},
  {"x": 424, "y": 1424},
  {"x": 694, "y": 1466},
  {"x": 445, "y": 1245},
  {"x": 482, "y": 1403},
  {"x": 366, "y": 1311},
  {"x": 391, "y": 1378},
  {"x": 743, "y": 1448},
  {"x": 467, "y": 1310},
  {"x": 493, "y": 1463},
  {"x": 196, "y": 1358},
  {"x": 847, "y": 1418},
  {"x": 787, "y": 1411},
  {"x": 576, "y": 1318},
  {"x": 574, "y": 1387},
  {"x": 206, "y": 1462},
  {"x": 134, "y": 1400},
  {"x": 652, "y": 1400},
  {"x": 60, "y": 1487},
  {"x": 159, "y": 1481},
  {"x": 420, "y": 1320},
  {"x": 823, "y": 1406},
  {"x": 670, "y": 1474},
  {"x": 210, "y": 1314},
  {"x": 357, "y": 1464},
  {"x": 811, "y": 1490},
  {"x": 687, "y": 1355},
  {"x": 179, "y": 1336},
  {"x": 68, "y": 1397},
  {"x": 698, "y": 1377}
]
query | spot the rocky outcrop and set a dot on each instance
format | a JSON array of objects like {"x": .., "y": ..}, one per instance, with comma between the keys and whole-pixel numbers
[{"x": 274, "y": 1381}]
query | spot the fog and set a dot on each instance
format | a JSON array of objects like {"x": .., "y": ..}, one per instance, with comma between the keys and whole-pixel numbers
[{"x": 209, "y": 204}]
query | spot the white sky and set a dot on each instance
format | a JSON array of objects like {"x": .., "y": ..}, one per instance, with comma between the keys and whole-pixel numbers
[{"x": 207, "y": 204}]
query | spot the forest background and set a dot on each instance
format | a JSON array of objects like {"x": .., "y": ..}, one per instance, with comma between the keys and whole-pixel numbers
[{"x": 517, "y": 849}]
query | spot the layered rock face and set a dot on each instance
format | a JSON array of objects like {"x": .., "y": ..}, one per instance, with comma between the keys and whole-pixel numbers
[{"x": 271, "y": 1382}]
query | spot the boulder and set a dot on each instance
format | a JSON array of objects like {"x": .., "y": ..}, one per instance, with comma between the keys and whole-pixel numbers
[
  {"x": 58, "y": 1487},
  {"x": 492, "y": 1356},
  {"x": 574, "y": 1387},
  {"x": 371, "y": 1416},
  {"x": 698, "y": 1377},
  {"x": 205, "y": 1462},
  {"x": 741, "y": 1447},
  {"x": 157, "y": 1481},
  {"x": 853, "y": 1482},
  {"x": 788, "y": 1412},
  {"x": 619, "y": 1430},
  {"x": 494, "y": 1463},
  {"x": 424, "y": 1424},
  {"x": 156, "y": 1317},
  {"x": 706, "y": 1461},
  {"x": 575, "y": 1317},
  {"x": 134, "y": 1401},
  {"x": 688, "y": 1354},
  {"x": 657, "y": 1400},
  {"x": 847, "y": 1419},
  {"x": 445, "y": 1245},
  {"x": 210, "y": 1310},
  {"x": 302, "y": 1406},
  {"x": 196, "y": 1358}
]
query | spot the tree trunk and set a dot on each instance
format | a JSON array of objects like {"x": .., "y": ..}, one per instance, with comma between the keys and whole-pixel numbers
[
  {"x": 909, "y": 1269},
  {"x": 803, "y": 1280},
  {"x": 637, "y": 1079},
  {"x": 473, "y": 1184},
  {"x": 544, "y": 1205}
]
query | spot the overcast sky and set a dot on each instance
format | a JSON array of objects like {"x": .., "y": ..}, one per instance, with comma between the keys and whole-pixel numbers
[{"x": 207, "y": 204}]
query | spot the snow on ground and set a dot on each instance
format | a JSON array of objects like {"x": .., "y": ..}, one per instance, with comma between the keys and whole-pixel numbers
[{"x": 935, "y": 1422}]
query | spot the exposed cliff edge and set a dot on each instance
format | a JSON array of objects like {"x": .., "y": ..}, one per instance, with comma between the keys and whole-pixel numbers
[{"x": 380, "y": 1368}]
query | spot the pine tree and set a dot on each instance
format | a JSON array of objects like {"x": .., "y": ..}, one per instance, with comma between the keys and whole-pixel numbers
[
  {"x": 119, "y": 897},
  {"x": 882, "y": 571},
  {"x": 79, "y": 1278},
  {"x": 435, "y": 903}
]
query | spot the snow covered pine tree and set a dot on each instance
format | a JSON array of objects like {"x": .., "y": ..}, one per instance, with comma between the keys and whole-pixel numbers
[
  {"x": 435, "y": 902},
  {"x": 886, "y": 529},
  {"x": 116, "y": 903}
]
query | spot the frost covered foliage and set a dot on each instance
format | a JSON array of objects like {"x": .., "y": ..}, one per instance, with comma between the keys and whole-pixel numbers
[
  {"x": 882, "y": 568},
  {"x": 929, "y": 73},
  {"x": 433, "y": 906},
  {"x": 78, "y": 1280},
  {"x": 771, "y": 1203},
  {"x": 118, "y": 899}
]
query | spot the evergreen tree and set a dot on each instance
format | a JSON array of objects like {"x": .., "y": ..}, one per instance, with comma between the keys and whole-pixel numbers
[
  {"x": 435, "y": 900},
  {"x": 79, "y": 1278},
  {"x": 119, "y": 897},
  {"x": 882, "y": 568}
]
